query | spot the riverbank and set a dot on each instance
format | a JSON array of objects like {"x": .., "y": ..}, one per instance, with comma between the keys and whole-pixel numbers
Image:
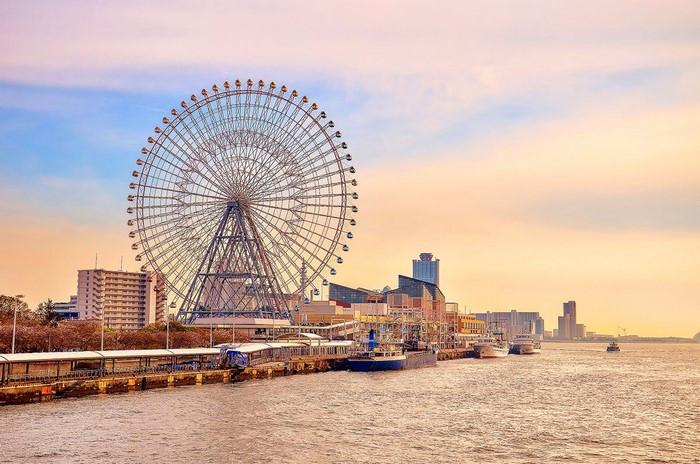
[
  {"x": 71, "y": 388},
  {"x": 49, "y": 391}
]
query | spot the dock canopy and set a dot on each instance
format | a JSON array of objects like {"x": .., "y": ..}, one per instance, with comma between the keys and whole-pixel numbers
[{"x": 55, "y": 356}]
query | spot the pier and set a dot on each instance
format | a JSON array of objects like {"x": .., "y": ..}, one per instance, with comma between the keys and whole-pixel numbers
[{"x": 40, "y": 377}]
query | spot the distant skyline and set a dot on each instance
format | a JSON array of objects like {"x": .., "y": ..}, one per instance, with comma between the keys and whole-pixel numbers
[{"x": 545, "y": 152}]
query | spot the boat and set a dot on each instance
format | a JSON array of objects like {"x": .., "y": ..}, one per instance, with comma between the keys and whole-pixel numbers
[
  {"x": 525, "y": 344},
  {"x": 491, "y": 347},
  {"x": 613, "y": 347},
  {"x": 388, "y": 355}
]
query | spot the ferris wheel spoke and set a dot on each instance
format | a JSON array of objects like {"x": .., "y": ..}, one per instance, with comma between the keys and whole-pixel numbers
[
  {"x": 177, "y": 203},
  {"x": 194, "y": 151},
  {"x": 287, "y": 237},
  {"x": 320, "y": 177},
  {"x": 301, "y": 211},
  {"x": 215, "y": 134},
  {"x": 191, "y": 152},
  {"x": 183, "y": 174},
  {"x": 324, "y": 157},
  {"x": 180, "y": 213},
  {"x": 268, "y": 154},
  {"x": 182, "y": 230},
  {"x": 168, "y": 191},
  {"x": 176, "y": 252},
  {"x": 286, "y": 260},
  {"x": 281, "y": 130},
  {"x": 304, "y": 197},
  {"x": 310, "y": 231}
]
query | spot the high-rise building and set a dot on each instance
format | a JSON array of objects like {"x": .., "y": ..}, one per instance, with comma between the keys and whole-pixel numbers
[
  {"x": 567, "y": 326},
  {"x": 126, "y": 300},
  {"x": 570, "y": 310},
  {"x": 513, "y": 322},
  {"x": 427, "y": 269},
  {"x": 564, "y": 327}
]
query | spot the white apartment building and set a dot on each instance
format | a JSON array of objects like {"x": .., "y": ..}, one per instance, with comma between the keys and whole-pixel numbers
[{"x": 129, "y": 300}]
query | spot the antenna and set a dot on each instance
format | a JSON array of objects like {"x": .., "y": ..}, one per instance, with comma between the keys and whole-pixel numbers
[
  {"x": 121, "y": 263},
  {"x": 95, "y": 260}
]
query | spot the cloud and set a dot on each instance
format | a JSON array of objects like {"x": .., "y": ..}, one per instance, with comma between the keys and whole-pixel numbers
[{"x": 545, "y": 151}]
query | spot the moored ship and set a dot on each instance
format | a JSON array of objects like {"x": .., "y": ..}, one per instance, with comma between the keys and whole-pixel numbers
[
  {"x": 525, "y": 344},
  {"x": 388, "y": 355},
  {"x": 491, "y": 347}
]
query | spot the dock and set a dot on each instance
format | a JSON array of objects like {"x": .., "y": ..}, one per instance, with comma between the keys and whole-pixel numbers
[{"x": 40, "y": 377}]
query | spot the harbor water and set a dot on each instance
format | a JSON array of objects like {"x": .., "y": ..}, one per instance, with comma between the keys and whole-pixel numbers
[{"x": 572, "y": 403}]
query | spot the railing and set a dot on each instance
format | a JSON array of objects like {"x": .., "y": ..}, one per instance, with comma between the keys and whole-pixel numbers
[
  {"x": 48, "y": 377},
  {"x": 285, "y": 354}
]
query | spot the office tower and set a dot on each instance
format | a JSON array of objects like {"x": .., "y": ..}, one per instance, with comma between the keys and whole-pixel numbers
[
  {"x": 570, "y": 311},
  {"x": 514, "y": 322},
  {"x": 563, "y": 327},
  {"x": 427, "y": 269}
]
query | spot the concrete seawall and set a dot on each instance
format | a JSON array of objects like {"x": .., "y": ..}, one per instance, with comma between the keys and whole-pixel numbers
[{"x": 37, "y": 393}]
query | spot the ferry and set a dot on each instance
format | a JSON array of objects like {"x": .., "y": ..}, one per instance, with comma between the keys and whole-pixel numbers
[
  {"x": 525, "y": 344},
  {"x": 613, "y": 347},
  {"x": 490, "y": 347},
  {"x": 388, "y": 355}
]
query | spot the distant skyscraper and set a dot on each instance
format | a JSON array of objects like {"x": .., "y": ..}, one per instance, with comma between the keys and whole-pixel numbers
[
  {"x": 427, "y": 269},
  {"x": 514, "y": 322},
  {"x": 570, "y": 310},
  {"x": 563, "y": 327}
]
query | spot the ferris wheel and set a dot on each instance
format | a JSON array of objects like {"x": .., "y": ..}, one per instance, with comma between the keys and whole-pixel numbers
[{"x": 243, "y": 197}]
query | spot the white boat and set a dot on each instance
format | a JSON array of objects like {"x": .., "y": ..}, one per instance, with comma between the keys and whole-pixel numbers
[
  {"x": 525, "y": 344},
  {"x": 490, "y": 347},
  {"x": 613, "y": 347}
]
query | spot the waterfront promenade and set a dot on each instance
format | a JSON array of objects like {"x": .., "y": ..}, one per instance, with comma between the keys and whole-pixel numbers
[{"x": 40, "y": 377}]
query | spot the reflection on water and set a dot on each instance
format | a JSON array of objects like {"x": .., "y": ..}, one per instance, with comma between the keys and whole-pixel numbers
[{"x": 572, "y": 403}]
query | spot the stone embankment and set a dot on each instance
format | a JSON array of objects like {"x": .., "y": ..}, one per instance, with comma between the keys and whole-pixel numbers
[{"x": 36, "y": 393}]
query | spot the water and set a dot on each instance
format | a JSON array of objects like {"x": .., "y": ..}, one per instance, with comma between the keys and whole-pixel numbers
[{"x": 573, "y": 403}]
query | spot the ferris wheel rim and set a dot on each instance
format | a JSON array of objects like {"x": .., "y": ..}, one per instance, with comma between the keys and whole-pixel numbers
[{"x": 210, "y": 196}]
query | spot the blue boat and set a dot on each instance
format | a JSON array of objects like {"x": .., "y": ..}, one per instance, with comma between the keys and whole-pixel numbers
[
  {"x": 382, "y": 362},
  {"x": 389, "y": 356}
]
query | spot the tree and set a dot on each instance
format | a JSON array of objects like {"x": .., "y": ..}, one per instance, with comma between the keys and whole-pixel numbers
[
  {"x": 8, "y": 304},
  {"x": 46, "y": 313}
]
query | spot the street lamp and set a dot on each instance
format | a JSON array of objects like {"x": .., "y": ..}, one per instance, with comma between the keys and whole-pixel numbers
[
  {"x": 167, "y": 326},
  {"x": 211, "y": 328},
  {"x": 102, "y": 331},
  {"x": 14, "y": 322},
  {"x": 233, "y": 328}
]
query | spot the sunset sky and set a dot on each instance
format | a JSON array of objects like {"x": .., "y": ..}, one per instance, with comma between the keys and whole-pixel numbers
[{"x": 544, "y": 151}]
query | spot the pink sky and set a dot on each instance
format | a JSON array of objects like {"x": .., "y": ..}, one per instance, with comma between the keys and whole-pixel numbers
[{"x": 545, "y": 151}]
